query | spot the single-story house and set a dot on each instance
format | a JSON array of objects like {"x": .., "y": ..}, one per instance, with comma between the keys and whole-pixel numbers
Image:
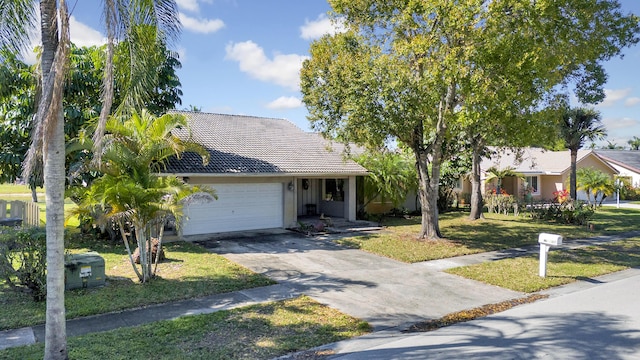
[
  {"x": 545, "y": 172},
  {"x": 266, "y": 173},
  {"x": 626, "y": 162}
]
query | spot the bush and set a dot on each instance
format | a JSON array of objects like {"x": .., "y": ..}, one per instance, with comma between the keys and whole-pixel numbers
[
  {"x": 23, "y": 260},
  {"x": 568, "y": 212},
  {"x": 501, "y": 203}
]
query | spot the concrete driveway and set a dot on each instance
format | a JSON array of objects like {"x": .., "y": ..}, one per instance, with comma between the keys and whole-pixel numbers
[
  {"x": 601, "y": 321},
  {"x": 384, "y": 292}
]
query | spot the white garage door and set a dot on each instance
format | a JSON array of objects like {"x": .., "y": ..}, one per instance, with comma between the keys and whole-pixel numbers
[{"x": 239, "y": 207}]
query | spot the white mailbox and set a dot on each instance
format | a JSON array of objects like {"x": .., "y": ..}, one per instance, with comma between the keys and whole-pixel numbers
[
  {"x": 546, "y": 241},
  {"x": 550, "y": 239}
]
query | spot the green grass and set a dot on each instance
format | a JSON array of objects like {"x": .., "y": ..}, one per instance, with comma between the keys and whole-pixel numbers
[
  {"x": 189, "y": 271},
  {"x": 68, "y": 204},
  {"x": 18, "y": 189},
  {"x": 563, "y": 266},
  {"x": 399, "y": 238},
  {"x": 261, "y": 331}
]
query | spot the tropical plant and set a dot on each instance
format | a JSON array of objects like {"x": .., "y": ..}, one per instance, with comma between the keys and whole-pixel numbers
[
  {"x": 578, "y": 125},
  {"x": 131, "y": 193},
  {"x": 499, "y": 174},
  {"x": 23, "y": 260},
  {"x": 613, "y": 146},
  {"x": 634, "y": 143},
  {"x": 17, "y": 105},
  {"x": 391, "y": 176},
  {"x": 596, "y": 184},
  {"x": 48, "y": 142}
]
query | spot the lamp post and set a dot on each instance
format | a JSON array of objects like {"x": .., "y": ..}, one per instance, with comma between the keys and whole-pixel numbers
[{"x": 618, "y": 193}]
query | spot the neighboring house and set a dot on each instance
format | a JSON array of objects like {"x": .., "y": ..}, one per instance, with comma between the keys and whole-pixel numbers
[
  {"x": 626, "y": 162},
  {"x": 544, "y": 172},
  {"x": 266, "y": 173}
]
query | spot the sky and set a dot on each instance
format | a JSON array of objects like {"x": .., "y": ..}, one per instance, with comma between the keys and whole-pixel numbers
[{"x": 243, "y": 57}]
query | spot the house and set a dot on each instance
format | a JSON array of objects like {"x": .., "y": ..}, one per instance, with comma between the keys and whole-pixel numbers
[
  {"x": 266, "y": 173},
  {"x": 626, "y": 162},
  {"x": 545, "y": 172}
]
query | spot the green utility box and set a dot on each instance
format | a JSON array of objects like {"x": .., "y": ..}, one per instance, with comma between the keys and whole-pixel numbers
[{"x": 83, "y": 271}]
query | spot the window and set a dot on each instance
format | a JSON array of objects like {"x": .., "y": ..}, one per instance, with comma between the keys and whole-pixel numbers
[
  {"x": 458, "y": 184},
  {"x": 334, "y": 189},
  {"x": 531, "y": 184}
]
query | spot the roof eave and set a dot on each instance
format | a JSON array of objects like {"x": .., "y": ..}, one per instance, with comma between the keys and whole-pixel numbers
[{"x": 284, "y": 174}]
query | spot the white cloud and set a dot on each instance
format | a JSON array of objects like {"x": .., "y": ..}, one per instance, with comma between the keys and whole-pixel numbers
[
  {"x": 620, "y": 123},
  {"x": 182, "y": 53},
  {"x": 84, "y": 35},
  {"x": 204, "y": 26},
  {"x": 283, "y": 69},
  {"x": 189, "y": 5},
  {"x": 319, "y": 27},
  {"x": 632, "y": 101},
  {"x": 285, "y": 102},
  {"x": 81, "y": 35},
  {"x": 612, "y": 96}
]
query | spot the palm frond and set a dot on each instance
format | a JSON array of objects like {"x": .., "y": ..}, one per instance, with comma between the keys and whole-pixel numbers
[{"x": 17, "y": 17}]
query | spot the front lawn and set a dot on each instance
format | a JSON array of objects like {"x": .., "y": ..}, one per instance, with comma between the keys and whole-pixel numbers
[
  {"x": 18, "y": 189},
  {"x": 462, "y": 236},
  {"x": 262, "y": 331},
  {"x": 189, "y": 271},
  {"x": 563, "y": 266}
]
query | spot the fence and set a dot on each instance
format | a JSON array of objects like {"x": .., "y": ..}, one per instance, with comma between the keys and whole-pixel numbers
[{"x": 29, "y": 212}]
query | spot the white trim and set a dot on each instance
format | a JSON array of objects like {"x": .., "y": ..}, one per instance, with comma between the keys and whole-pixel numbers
[{"x": 537, "y": 192}]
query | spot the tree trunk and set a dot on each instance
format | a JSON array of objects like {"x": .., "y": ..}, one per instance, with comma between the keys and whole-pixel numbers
[
  {"x": 34, "y": 194},
  {"x": 573, "y": 191},
  {"x": 428, "y": 201},
  {"x": 476, "y": 191},
  {"x": 54, "y": 177},
  {"x": 54, "y": 57}
]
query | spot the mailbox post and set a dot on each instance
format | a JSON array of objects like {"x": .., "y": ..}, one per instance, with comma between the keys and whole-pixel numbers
[{"x": 546, "y": 241}]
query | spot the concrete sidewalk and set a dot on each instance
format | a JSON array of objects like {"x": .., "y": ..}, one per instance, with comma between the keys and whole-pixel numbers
[
  {"x": 388, "y": 294},
  {"x": 140, "y": 316}
]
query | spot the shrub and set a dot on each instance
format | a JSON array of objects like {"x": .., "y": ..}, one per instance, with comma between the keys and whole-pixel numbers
[
  {"x": 501, "y": 203},
  {"x": 23, "y": 260},
  {"x": 568, "y": 212}
]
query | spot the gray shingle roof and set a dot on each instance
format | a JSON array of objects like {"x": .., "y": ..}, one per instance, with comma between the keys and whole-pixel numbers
[
  {"x": 534, "y": 161},
  {"x": 629, "y": 159},
  {"x": 254, "y": 145}
]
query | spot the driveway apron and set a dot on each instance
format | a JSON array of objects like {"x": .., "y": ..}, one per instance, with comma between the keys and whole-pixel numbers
[{"x": 384, "y": 292}]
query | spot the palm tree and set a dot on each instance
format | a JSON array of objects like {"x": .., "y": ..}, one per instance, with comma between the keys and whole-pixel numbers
[
  {"x": 121, "y": 18},
  {"x": 634, "y": 143},
  {"x": 595, "y": 183},
  {"x": 131, "y": 192},
  {"x": 495, "y": 173},
  {"x": 577, "y": 126}
]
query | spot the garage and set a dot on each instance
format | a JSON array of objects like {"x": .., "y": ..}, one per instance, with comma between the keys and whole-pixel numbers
[{"x": 239, "y": 207}]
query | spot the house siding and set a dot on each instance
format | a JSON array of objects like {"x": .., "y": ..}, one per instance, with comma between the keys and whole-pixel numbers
[
  {"x": 551, "y": 184},
  {"x": 635, "y": 177}
]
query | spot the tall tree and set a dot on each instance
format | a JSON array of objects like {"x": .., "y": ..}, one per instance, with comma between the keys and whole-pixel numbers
[
  {"x": 577, "y": 126},
  {"x": 415, "y": 71},
  {"x": 48, "y": 142}
]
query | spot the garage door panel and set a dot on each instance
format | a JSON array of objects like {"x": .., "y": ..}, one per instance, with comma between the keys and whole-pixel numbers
[{"x": 239, "y": 207}]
